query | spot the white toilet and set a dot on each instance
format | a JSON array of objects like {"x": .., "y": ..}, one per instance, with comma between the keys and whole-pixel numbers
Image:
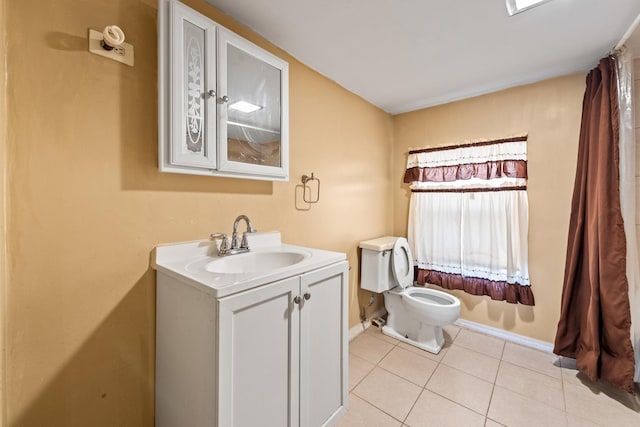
[{"x": 416, "y": 314}]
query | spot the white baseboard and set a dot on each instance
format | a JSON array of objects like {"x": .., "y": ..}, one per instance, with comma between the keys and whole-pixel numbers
[
  {"x": 363, "y": 326},
  {"x": 506, "y": 335}
]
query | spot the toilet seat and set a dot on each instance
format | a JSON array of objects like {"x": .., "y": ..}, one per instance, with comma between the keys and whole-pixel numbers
[
  {"x": 430, "y": 297},
  {"x": 402, "y": 263}
]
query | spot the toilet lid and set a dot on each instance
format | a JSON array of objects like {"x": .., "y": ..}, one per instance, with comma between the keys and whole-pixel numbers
[{"x": 402, "y": 264}]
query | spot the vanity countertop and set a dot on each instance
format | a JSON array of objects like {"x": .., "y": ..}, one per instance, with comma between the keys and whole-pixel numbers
[{"x": 194, "y": 263}]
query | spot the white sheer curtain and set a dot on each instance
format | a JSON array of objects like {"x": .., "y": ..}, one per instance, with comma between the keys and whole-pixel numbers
[
  {"x": 435, "y": 232},
  {"x": 627, "y": 146},
  {"x": 469, "y": 216},
  {"x": 495, "y": 228}
]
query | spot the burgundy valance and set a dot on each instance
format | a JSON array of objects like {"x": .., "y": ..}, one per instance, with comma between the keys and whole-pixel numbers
[{"x": 496, "y": 290}]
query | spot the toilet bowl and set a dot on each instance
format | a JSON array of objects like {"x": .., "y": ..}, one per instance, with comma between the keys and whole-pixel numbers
[
  {"x": 416, "y": 315},
  {"x": 432, "y": 306}
]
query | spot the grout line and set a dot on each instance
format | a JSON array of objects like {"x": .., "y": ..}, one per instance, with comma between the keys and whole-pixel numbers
[
  {"x": 467, "y": 373},
  {"x": 564, "y": 395},
  {"x": 373, "y": 334},
  {"x": 536, "y": 371},
  {"x": 377, "y": 365},
  {"x": 493, "y": 388},
  {"x": 364, "y": 376},
  {"x": 402, "y": 378},
  {"x": 441, "y": 362},
  {"x": 412, "y": 406},
  {"x": 493, "y": 421},
  {"x": 454, "y": 402},
  {"x": 377, "y": 407},
  {"x": 445, "y": 397}
]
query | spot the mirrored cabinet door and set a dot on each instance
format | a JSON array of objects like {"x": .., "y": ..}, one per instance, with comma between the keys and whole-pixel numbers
[
  {"x": 253, "y": 133},
  {"x": 193, "y": 100}
]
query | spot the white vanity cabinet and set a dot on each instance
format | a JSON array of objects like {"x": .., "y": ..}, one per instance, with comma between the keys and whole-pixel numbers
[
  {"x": 222, "y": 100},
  {"x": 273, "y": 355}
]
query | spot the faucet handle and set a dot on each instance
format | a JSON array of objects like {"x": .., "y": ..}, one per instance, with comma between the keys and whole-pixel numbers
[
  {"x": 245, "y": 242},
  {"x": 235, "y": 241},
  {"x": 225, "y": 245}
]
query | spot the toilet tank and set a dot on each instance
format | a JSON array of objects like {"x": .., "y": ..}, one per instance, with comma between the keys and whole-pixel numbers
[{"x": 375, "y": 267}]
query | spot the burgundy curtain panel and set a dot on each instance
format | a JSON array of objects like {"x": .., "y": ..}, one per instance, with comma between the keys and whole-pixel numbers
[{"x": 595, "y": 318}]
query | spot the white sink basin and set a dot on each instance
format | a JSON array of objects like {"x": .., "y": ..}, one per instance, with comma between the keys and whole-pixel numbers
[
  {"x": 198, "y": 263},
  {"x": 254, "y": 262}
]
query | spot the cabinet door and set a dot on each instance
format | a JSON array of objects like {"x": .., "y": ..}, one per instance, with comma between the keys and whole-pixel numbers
[
  {"x": 193, "y": 83},
  {"x": 258, "y": 367},
  {"x": 324, "y": 345},
  {"x": 253, "y": 132}
]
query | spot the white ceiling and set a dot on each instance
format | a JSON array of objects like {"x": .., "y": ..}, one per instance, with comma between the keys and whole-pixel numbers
[{"x": 402, "y": 55}]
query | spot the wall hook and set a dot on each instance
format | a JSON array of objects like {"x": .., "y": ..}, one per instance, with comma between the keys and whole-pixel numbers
[{"x": 308, "y": 198}]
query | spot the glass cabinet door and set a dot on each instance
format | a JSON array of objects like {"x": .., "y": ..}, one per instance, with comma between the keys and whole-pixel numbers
[
  {"x": 222, "y": 100},
  {"x": 193, "y": 101},
  {"x": 253, "y": 95}
]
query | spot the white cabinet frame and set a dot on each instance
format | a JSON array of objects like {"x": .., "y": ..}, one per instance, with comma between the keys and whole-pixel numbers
[
  {"x": 180, "y": 16},
  {"x": 171, "y": 112}
]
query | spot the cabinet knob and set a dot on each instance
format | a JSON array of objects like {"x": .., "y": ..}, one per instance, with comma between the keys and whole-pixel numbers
[
  {"x": 223, "y": 100},
  {"x": 211, "y": 93},
  {"x": 307, "y": 296},
  {"x": 296, "y": 299}
]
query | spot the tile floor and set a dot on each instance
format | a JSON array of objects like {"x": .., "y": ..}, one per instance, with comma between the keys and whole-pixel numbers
[{"x": 476, "y": 380}]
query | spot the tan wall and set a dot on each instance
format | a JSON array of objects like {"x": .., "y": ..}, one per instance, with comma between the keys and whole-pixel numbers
[
  {"x": 549, "y": 112},
  {"x": 3, "y": 208},
  {"x": 87, "y": 204}
]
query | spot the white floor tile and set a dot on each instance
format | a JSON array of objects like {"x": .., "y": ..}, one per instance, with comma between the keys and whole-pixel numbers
[
  {"x": 467, "y": 390},
  {"x": 434, "y": 410},
  {"x": 388, "y": 392},
  {"x": 450, "y": 332},
  {"x": 375, "y": 332},
  {"x": 420, "y": 352},
  {"x": 358, "y": 369},
  {"x": 474, "y": 363},
  {"x": 539, "y": 361},
  {"x": 363, "y": 414},
  {"x": 531, "y": 384},
  {"x": 515, "y": 410},
  {"x": 481, "y": 343},
  {"x": 409, "y": 366},
  {"x": 576, "y": 421},
  {"x": 531, "y": 387},
  {"x": 599, "y": 407},
  {"x": 369, "y": 348}
]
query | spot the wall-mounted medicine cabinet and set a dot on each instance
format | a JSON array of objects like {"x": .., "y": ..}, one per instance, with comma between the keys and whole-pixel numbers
[{"x": 222, "y": 100}]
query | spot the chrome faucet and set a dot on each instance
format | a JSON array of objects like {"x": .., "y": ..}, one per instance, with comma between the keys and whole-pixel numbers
[
  {"x": 235, "y": 240},
  {"x": 236, "y": 245}
]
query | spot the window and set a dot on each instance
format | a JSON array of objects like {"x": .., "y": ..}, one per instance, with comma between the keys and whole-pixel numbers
[{"x": 468, "y": 218}]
